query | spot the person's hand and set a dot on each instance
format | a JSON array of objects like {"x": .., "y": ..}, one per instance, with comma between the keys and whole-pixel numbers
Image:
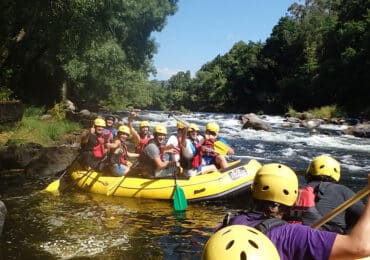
[
  {"x": 132, "y": 116},
  {"x": 92, "y": 130}
]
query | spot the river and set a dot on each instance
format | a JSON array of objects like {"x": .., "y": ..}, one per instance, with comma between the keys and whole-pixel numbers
[{"x": 78, "y": 225}]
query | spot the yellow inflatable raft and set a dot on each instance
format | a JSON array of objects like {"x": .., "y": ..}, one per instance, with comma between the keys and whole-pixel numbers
[{"x": 233, "y": 180}]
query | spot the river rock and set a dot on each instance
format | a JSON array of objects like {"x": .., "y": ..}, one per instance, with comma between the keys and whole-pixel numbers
[
  {"x": 311, "y": 123},
  {"x": 3, "y": 213},
  {"x": 51, "y": 161},
  {"x": 253, "y": 121},
  {"x": 361, "y": 130},
  {"x": 18, "y": 157}
]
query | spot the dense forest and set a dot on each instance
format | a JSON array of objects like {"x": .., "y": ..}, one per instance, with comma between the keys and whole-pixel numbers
[{"x": 101, "y": 53}]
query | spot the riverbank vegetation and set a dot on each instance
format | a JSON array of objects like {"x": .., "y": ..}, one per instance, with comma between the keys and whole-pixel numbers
[
  {"x": 34, "y": 129},
  {"x": 99, "y": 53}
]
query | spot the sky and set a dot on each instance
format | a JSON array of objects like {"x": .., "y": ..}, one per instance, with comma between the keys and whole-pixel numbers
[{"x": 202, "y": 29}]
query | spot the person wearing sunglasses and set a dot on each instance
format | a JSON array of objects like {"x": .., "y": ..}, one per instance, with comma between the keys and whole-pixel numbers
[{"x": 210, "y": 156}]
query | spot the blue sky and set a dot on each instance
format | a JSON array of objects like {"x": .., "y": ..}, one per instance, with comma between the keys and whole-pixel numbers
[{"x": 202, "y": 29}]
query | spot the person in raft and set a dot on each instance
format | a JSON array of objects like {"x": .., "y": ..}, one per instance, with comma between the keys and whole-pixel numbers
[{"x": 275, "y": 189}]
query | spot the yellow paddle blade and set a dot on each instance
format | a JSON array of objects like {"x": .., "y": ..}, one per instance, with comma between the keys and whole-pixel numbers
[
  {"x": 221, "y": 148},
  {"x": 53, "y": 187}
]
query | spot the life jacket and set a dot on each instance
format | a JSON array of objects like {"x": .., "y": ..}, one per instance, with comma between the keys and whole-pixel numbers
[
  {"x": 305, "y": 202},
  {"x": 264, "y": 226},
  {"x": 143, "y": 142},
  {"x": 196, "y": 159},
  {"x": 95, "y": 145},
  {"x": 305, "y": 208},
  {"x": 210, "y": 145},
  {"x": 99, "y": 149},
  {"x": 110, "y": 133},
  {"x": 120, "y": 158}
]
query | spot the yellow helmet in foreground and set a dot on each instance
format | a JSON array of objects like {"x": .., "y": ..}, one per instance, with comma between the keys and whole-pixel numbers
[
  {"x": 213, "y": 127},
  {"x": 324, "y": 165},
  {"x": 277, "y": 183},
  {"x": 99, "y": 122},
  {"x": 124, "y": 129},
  {"x": 239, "y": 242},
  {"x": 160, "y": 129},
  {"x": 144, "y": 124}
]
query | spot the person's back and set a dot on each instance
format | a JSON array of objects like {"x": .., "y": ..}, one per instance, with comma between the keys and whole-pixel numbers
[
  {"x": 323, "y": 174},
  {"x": 275, "y": 189}
]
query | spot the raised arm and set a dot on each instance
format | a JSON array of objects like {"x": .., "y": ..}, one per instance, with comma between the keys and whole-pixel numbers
[
  {"x": 134, "y": 134},
  {"x": 357, "y": 243}
]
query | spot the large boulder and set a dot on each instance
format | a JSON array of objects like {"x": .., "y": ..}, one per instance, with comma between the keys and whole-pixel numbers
[
  {"x": 360, "y": 130},
  {"x": 18, "y": 157},
  {"x": 11, "y": 111},
  {"x": 51, "y": 161},
  {"x": 253, "y": 121}
]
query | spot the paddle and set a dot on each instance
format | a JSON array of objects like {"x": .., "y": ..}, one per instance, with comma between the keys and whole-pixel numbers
[
  {"x": 221, "y": 148},
  {"x": 179, "y": 200},
  {"x": 54, "y": 187},
  {"x": 342, "y": 207},
  {"x": 112, "y": 189}
]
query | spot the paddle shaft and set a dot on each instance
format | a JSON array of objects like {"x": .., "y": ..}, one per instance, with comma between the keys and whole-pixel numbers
[{"x": 342, "y": 207}]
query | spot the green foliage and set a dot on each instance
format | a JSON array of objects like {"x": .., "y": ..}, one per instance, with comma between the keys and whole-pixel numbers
[
  {"x": 101, "y": 49},
  {"x": 5, "y": 94},
  {"x": 316, "y": 56},
  {"x": 326, "y": 112},
  {"x": 291, "y": 111},
  {"x": 58, "y": 111},
  {"x": 32, "y": 129},
  {"x": 33, "y": 111}
]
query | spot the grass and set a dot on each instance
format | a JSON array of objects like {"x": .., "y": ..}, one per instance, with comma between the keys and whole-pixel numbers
[
  {"x": 33, "y": 129},
  {"x": 321, "y": 112}
]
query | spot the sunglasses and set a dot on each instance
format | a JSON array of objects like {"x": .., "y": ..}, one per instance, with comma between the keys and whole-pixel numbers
[{"x": 211, "y": 133}]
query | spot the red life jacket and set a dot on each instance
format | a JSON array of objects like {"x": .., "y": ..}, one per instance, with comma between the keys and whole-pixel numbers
[
  {"x": 123, "y": 157},
  {"x": 143, "y": 142},
  {"x": 211, "y": 146},
  {"x": 99, "y": 150},
  {"x": 197, "y": 158},
  {"x": 305, "y": 201}
]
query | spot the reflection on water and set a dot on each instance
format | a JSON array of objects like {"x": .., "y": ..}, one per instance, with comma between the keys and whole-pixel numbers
[{"x": 89, "y": 226}]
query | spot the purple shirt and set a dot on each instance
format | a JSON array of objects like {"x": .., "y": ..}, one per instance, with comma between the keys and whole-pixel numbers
[{"x": 293, "y": 241}]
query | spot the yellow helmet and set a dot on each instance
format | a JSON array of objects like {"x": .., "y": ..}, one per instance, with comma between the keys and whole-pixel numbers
[
  {"x": 239, "y": 242},
  {"x": 99, "y": 122},
  {"x": 124, "y": 129},
  {"x": 160, "y": 129},
  {"x": 193, "y": 127},
  {"x": 324, "y": 165},
  {"x": 277, "y": 183},
  {"x": 180, "y": 125},
  {"x": 213, "y": 127},
  {"x": 144, "y": 124}
]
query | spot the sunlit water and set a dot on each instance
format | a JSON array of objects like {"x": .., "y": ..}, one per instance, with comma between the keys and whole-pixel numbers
[{"x": 85, "y": 226}]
